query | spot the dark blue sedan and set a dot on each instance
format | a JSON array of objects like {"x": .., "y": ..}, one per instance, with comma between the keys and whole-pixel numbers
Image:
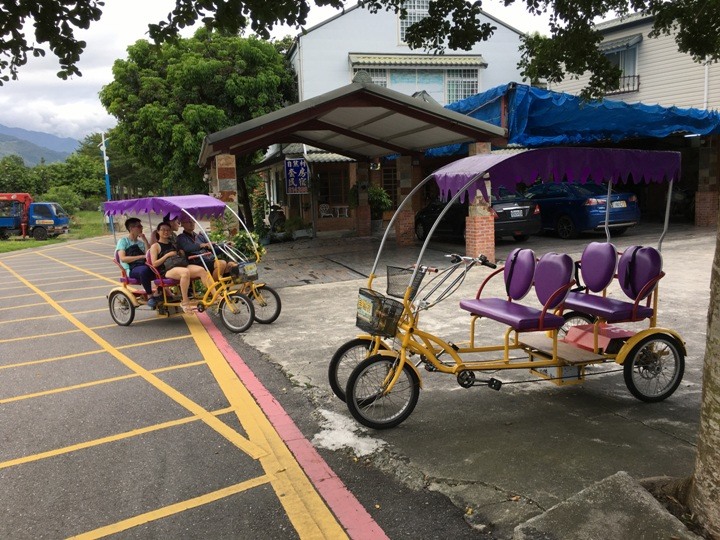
[{"x": 569, "y": 209}]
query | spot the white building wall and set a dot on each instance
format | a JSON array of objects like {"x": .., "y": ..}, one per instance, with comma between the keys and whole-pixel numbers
[
  {"x": 667, "y": 76},
  {"x": 321, "y": 56}
]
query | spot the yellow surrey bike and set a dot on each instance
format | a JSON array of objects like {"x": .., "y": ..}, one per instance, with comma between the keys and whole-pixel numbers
[
  {"x": 228, "y": 294},
  {"x": 577, "y": 320}
]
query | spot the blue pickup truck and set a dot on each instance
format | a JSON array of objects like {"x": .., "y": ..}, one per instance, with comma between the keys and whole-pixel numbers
[{"x": 19, "y": 215}]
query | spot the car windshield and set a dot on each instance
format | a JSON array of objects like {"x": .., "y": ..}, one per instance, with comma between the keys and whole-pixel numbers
[
  {"x": 59, "y": 210},
  {"x": 504, "y": 194},
  {"x": 590, "y": 189}
]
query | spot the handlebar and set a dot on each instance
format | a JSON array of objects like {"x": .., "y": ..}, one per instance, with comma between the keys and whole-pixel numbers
[{"x": 482, "y": 259}]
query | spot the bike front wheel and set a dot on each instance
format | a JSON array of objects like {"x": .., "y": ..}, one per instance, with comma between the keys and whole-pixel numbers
[
  {"x": 346, "y": 359},
  {"x": 368, "y": 398},
  {"x": 237, "y": 314},
  {"x": 122, "y": 309},
  {"x": 266, "y": 302}
]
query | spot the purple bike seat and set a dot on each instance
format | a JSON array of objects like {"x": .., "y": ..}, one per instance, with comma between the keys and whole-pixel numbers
[
  {"x": 597, "y": 265},
  {"x": 610, "y": 309},
  {"x": 516, "y": 315},
  {"x": 519, "y": 272},
  {"x": 636, "y": 268}
]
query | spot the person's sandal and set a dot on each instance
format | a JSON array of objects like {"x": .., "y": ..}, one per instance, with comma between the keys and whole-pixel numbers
[{"x": 188, "y": 308}]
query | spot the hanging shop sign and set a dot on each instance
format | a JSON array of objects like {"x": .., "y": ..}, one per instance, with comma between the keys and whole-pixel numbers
[{"x": 297, "y": 176}]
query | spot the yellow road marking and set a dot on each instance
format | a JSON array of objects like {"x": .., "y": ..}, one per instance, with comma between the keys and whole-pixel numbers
[
  {"x": 98, "y": 382},
  {"x": 305, "y": 508},
  {"x": 223, "y": 429},
  {"x": 174, "y": 508},
  {"x": 105, "y": 440}
]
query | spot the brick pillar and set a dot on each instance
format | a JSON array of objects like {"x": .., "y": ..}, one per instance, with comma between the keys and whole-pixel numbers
[
  {"x": 706, "y": 197},
  {"x": 480, "y": 236},
  {"x": 405, "y": 228},
  {"x": 362, "y": 216}
]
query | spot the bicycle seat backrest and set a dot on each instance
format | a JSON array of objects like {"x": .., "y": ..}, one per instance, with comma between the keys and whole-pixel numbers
[
  {"x": 637, "y": 267},
  {"x": 597, "y": 265},
  {"x": 553, "y": 271},
  {"x": 519, "y": 272}
]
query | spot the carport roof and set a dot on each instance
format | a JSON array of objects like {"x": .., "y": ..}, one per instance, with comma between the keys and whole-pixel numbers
[{"x": 361, "y": 120}]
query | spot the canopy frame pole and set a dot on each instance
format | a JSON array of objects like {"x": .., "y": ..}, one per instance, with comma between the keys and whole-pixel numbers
[
  {"x": 607, "y": 212},
  {"x": 667, "y": 214}
]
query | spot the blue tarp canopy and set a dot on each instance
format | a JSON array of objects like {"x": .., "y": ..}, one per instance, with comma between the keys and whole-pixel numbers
[{"x": 537, "y": 117}]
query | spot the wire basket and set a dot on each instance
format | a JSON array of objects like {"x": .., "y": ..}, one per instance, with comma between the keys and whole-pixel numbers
[
  {"x": 398, "y": 279},
  {"x": 247, "y": 271},
  {"x": 376, "y": 314}
]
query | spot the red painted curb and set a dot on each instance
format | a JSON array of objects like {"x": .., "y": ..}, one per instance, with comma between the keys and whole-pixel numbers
[{"x": 358, "y": 523}]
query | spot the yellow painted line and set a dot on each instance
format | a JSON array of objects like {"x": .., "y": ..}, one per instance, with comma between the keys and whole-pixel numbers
[
  {"x": 38, "y": 317},
  {"x": 173, "y": 509},
  {"x": 93, "y": 252},
  {"x": 86, "y": 288},
  {"x": 252, "y": 449},
  {"x": 39, "y": 336},
  {"x": 79, "y": 269},
  {"x": 96, "y": 351},
  {"x": 303, "y": 505},
  {"x": 25, "y": 295},
  {"x": 105, "y": 440},
  {"x": 98, "y": 382},
  {"x": 22, "y": 306}
]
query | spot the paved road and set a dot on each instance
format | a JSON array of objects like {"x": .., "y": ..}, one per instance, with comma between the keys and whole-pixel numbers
[
  {"x": 501, "y": 456},
  {"x": 160, "y": 429}
]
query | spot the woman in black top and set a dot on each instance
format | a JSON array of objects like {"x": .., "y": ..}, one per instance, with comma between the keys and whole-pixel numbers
[{"x": 164, "y": 249}]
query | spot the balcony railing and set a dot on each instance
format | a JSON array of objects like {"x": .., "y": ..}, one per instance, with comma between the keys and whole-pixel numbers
[{"x": 627, "y": 83}]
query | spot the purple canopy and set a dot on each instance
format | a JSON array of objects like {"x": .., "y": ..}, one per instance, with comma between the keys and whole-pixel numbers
[
  {"x": 198, "y": 206},
  {"x": 555, "y": 164}
]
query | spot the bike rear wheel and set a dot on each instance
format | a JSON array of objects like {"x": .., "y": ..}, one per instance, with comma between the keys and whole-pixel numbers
[
  {"x": 654, "y": 368},
  {"x": 345, "y": 360},
  {"x": 238, "y": 314},
  {"x": 367, "y": 396}
]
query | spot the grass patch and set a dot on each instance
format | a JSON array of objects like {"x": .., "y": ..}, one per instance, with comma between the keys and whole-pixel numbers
[{"x": 84, "y": 224}]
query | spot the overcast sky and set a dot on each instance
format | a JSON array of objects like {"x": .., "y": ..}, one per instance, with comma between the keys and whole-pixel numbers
[{"x": 40, "y": 101}]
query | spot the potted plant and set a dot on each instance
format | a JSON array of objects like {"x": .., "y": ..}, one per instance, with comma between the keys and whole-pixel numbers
[{"x": 379, "y": 201}]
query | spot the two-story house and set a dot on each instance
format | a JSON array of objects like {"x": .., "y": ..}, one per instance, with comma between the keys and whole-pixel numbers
[
  {"x": 329, "y": 56},
  {"x": 655, "y": 72}
]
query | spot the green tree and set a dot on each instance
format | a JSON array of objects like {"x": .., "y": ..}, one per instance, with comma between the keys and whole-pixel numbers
[
  {"x": 167, "y": 98},
  {"x": 65, "y": 195},
  {"x": 15, "y": 176}
]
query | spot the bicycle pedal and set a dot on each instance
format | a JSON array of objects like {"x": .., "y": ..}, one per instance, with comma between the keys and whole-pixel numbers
[
  {"x": 495, "y": 384},
  {"x": 429, "y": 367}
]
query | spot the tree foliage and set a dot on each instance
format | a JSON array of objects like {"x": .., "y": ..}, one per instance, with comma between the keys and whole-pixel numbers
[
  {"x": 167, "y": 98},
  {"x": 570, "y": 50}
]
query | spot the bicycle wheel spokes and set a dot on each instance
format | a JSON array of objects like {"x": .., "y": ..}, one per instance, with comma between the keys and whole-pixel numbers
[{"x": 369, "y": 399}]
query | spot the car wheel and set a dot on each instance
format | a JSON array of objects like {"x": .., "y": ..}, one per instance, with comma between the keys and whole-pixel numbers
[
  {"x": 565, "y": 228},
  {"x": 420, "y": 230}
]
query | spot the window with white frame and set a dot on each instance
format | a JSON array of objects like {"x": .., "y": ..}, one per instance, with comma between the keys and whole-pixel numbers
[
  {"x": 416, "y": 11},
  {"x": 460, "y": 84},
  {"x": 626, "y": 60},
  {"x": 378, "y": 76}
]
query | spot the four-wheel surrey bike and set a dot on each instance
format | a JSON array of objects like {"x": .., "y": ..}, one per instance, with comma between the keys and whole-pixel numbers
[
  {"x": 239, "y": 299},
  {"x": 574, "y": 324}
]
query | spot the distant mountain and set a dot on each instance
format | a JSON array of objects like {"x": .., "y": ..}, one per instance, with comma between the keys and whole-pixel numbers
[
  {"x": 45, "y": 140},
  {"x": 31, "y": 153}
]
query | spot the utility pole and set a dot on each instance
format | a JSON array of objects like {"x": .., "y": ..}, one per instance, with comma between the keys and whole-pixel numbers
[{"x": 103, "y": 149}]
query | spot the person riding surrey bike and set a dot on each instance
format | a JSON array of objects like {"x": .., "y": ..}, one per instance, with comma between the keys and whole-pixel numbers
[
  {"x": 162, "y": 250},
  {"x": 131, "y": 252},
  {"x": 192, "y": 243}
]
